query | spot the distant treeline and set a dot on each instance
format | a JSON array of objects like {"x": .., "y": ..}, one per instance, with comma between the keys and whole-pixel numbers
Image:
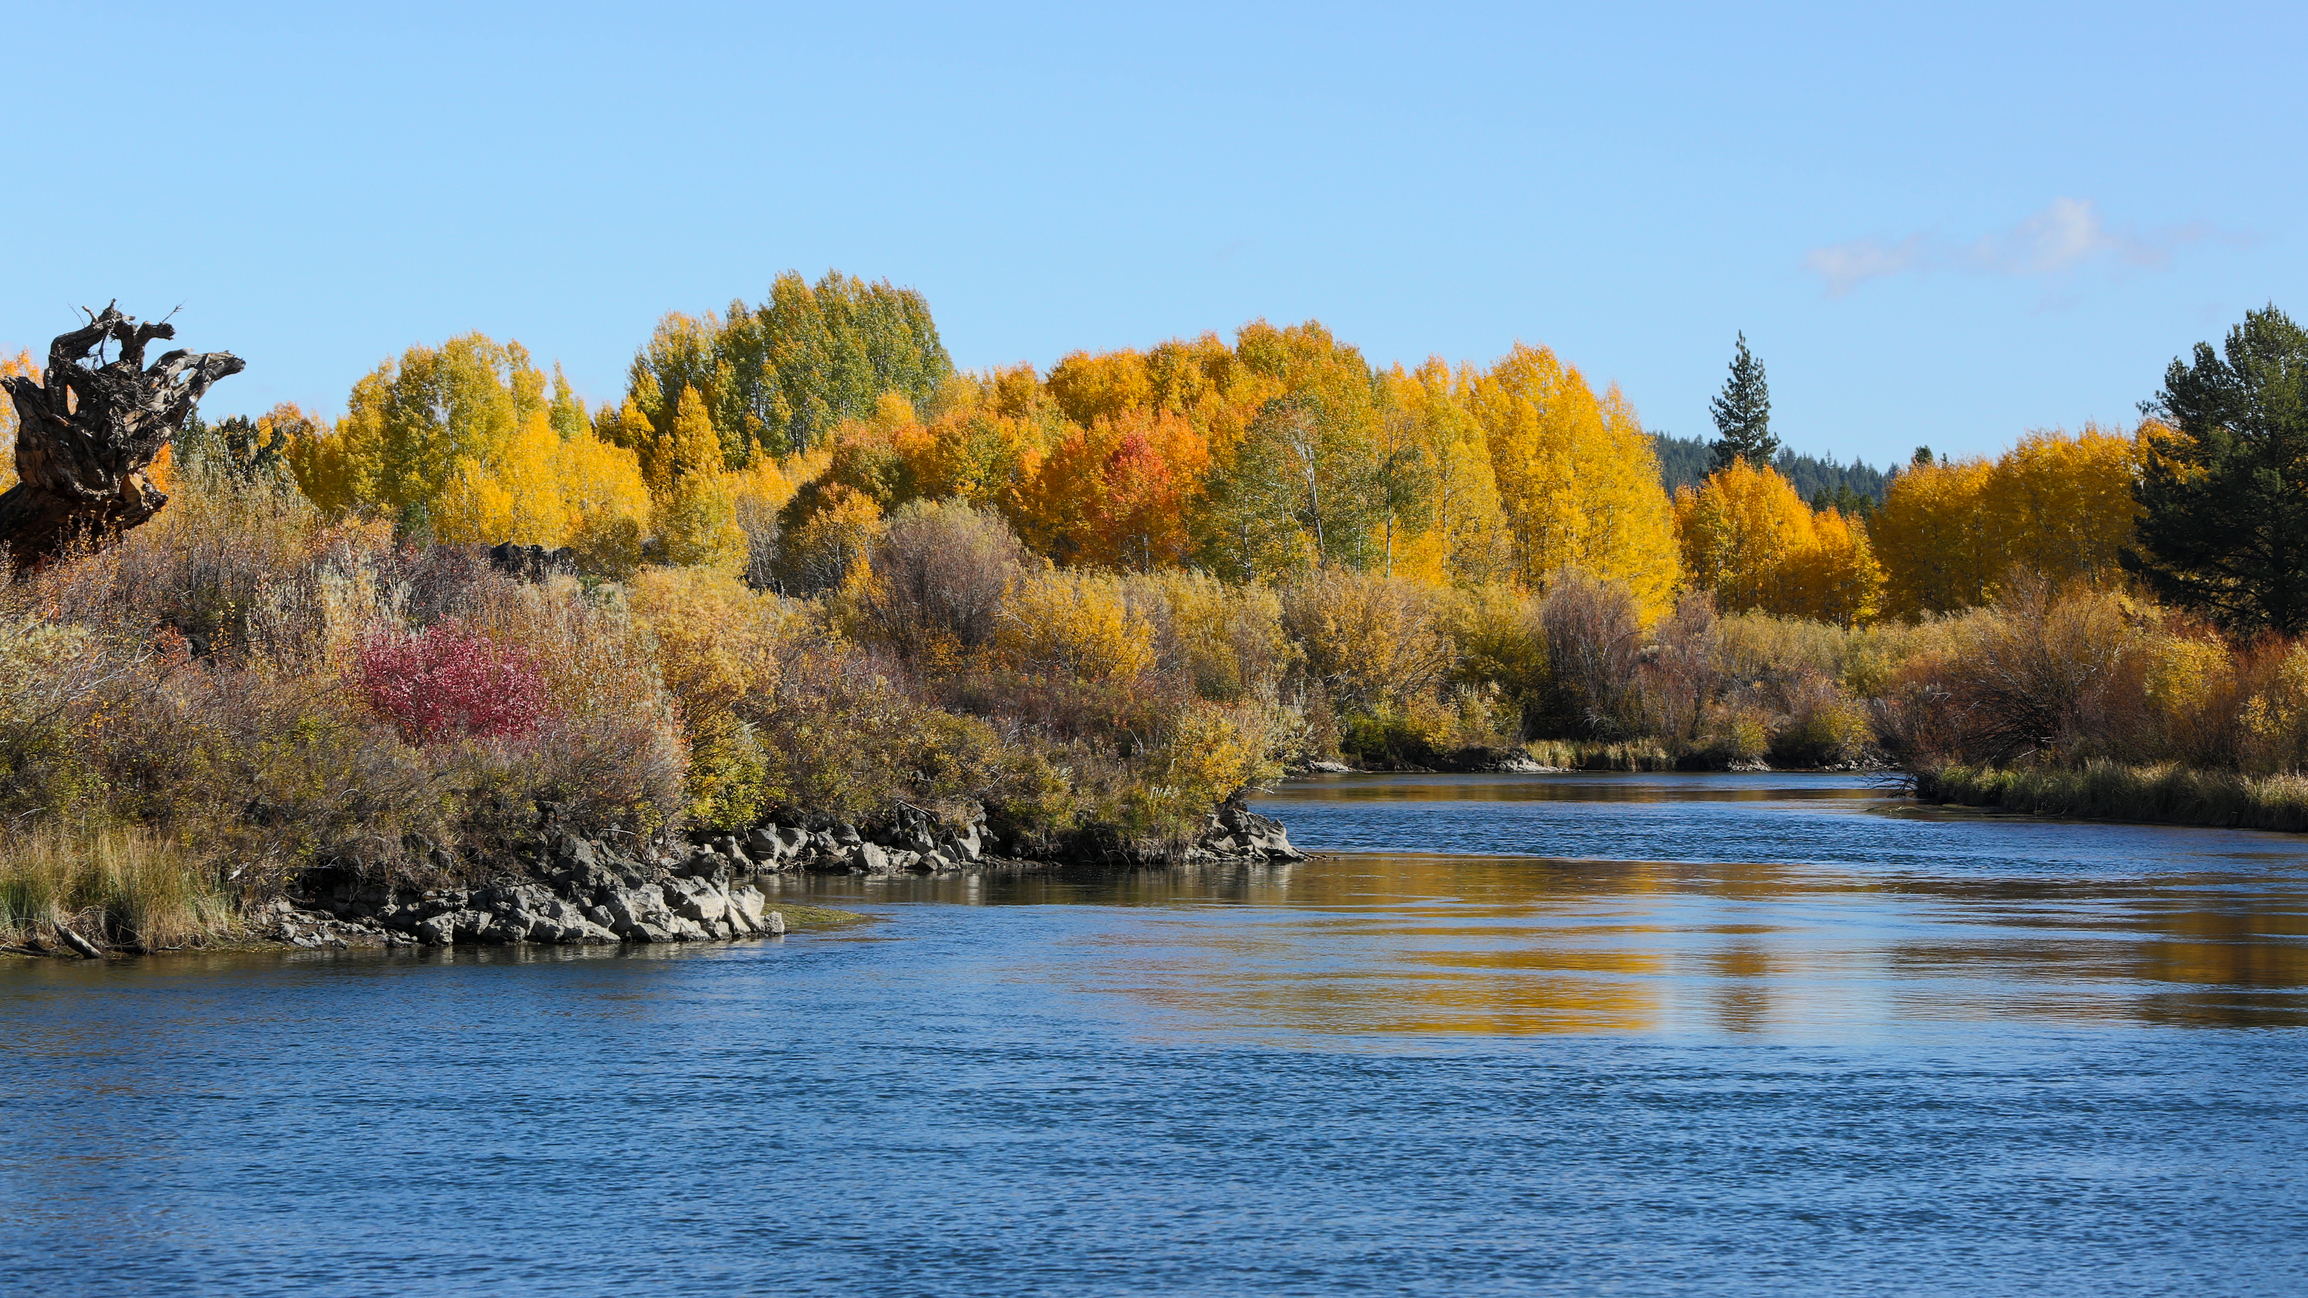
[{"x": 1686, "y": 462}]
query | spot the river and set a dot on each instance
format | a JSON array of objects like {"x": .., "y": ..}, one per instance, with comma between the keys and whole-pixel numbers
[{"x": 1533, "y": 1034}]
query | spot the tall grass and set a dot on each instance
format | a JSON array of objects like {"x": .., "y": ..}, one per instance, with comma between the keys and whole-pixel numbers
[
  {"x": 1595, "y": 755},
  {"x": 116, "y": 887},
  {"x": 2104, "y": 790}
]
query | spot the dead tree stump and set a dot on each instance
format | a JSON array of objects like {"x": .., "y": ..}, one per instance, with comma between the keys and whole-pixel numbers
[{"x": 90, "y": 427}]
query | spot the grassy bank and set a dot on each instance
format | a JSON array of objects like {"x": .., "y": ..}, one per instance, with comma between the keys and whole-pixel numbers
[
  {"x": 1595, "y": 755},
  {"x": 124, "y": 888},
  {"x": 2167, "y": 793}
]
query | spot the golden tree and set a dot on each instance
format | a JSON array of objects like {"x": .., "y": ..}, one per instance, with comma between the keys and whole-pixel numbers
[
  {"x": 1750, "y": 539},
  {"x": 1577, "y": 478}
]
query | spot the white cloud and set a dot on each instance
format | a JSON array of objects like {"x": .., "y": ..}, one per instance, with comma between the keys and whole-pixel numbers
[
  {"x": 2059, "y": 239},
  {"x": 1846, "y": 265}
]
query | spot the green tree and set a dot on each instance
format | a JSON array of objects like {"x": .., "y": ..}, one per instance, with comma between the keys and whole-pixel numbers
[
  {"x": 2223, "y": 487},
  {"x": 778, "y": 377},
  {"x": 1743, "y": 414}
]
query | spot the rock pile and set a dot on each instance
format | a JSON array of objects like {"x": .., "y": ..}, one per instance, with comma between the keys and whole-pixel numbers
[
  {"x": 1236, "y": 833},
  {"x": 582, "y": 890}
]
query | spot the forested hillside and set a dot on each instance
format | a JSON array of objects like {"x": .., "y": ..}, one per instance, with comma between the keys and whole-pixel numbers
[{"x": 1686, "y": 462}]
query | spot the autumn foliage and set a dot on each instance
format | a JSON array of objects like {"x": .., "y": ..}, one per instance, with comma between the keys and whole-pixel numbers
[
  {"x": 445, "y": 681},
  {"x": 810, "y": 571}
]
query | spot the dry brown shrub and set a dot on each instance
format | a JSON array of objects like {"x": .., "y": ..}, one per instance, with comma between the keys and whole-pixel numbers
[
  {"x": 1678, "y": 673},
  {"x": 940, "y": 572},
  {"x": 1592, "y": 632},
  {"x": 2049, "y": 673}
]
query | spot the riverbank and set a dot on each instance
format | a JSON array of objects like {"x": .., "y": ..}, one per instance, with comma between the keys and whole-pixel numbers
[
  {"x": 129, "y": 892},
  {"x": 2160, "y": 794}
]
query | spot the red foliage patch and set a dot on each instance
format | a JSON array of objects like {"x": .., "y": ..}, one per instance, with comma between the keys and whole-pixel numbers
[{"x": 446, "y": 681}]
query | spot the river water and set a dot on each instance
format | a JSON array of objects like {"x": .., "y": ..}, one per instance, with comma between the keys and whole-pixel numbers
[{"x": 1535, "y": 1034}]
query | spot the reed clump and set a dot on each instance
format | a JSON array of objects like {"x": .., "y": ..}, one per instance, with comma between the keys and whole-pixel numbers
[
  {"x": 113, "y": 886},
  {"x": 2165, "y": 792},
  {"x": 1587, "y": 755}
]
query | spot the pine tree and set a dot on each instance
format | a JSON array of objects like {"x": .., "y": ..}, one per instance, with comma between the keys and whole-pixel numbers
[
  {"x": 1743, "y": 414},
  {"x": 2223, "y": 491}
]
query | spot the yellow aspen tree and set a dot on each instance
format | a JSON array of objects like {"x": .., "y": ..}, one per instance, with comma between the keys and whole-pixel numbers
[
  {"x": 472, "y": 506},
  {"x": 1839, "y": 579},
  {"x": 320, "y": 462},
  {"x": 1935, "y": 538},
  {"x": 607, "y": 501},
  {"x": 1738, "y": 531},
  {"x": 528, "y": 467},
  {"x": 1091, "y": 386},
  {"x": 1751, "y": 540},
  {"x": 1577, "y": 479},
  {"x": 1630, "y": 530},
  {"x": 1465, "y": 542},
  {"x": 697, "y": 511},
  {"x": 413, "y": 425},
  {"x": 2062, "y": 506}
]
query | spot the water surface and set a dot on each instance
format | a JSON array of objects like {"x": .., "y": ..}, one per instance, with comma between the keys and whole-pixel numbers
[{"x": 1546, "y": 1034}]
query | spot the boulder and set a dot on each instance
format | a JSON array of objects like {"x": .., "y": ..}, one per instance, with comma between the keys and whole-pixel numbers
[
  {"x": 701, "y": 900},
  {"x": 1236, "y": 832},
  {"x": 639, "y": 914},
  {"x": 748, "y": 903},
  {"x": 766, "y": 846},
  {"x": 965, "y": 843}
]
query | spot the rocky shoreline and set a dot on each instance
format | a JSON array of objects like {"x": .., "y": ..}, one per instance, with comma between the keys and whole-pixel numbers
[{"x": 578, "y": 891}]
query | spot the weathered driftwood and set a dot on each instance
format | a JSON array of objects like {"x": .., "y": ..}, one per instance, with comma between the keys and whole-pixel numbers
[
  {"x": 79, "y": 944},
  {"x": 90, "y": 427}
]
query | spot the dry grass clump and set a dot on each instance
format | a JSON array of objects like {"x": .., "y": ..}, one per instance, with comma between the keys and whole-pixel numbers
[
  {"x": 2166, "y": 792},
  {"x": 115, "y": 886}
]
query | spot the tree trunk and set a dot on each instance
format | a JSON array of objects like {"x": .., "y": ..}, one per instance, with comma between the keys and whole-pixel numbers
[{"x": 86, "y": 432}]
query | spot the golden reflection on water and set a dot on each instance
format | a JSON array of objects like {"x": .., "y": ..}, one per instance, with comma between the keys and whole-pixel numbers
[{"x": 1514, "y": 945}]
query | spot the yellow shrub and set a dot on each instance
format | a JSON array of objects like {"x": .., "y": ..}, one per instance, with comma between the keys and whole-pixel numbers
[
  {"x": 1076, "y": 623},
  {"x": 716, "y": 642},
  {"x": 1227, "y": 639},
  {"x": 1211, "y": 753}
]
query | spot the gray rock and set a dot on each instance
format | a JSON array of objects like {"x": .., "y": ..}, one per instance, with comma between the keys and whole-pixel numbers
[
  {"x": 868, "y": 857},
  {"x": 440, "y": 930},
  {"x": 639, "y": 913},
  {"x": 776, "y": 924},
  {"x": 747, "y": 903},
  {"x": 705, "y": 904}
]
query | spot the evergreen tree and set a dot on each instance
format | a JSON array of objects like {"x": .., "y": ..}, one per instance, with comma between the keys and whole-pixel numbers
[
  {"x": 1743, "y": 414},
  {"x": 2223, "y": 489}
]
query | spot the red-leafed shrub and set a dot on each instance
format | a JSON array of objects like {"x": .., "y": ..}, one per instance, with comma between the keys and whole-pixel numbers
[{"x": 446, "y": 681}]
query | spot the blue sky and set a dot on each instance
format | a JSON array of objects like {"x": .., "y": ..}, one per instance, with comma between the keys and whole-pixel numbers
[{"x": 1939, "y": 224}]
